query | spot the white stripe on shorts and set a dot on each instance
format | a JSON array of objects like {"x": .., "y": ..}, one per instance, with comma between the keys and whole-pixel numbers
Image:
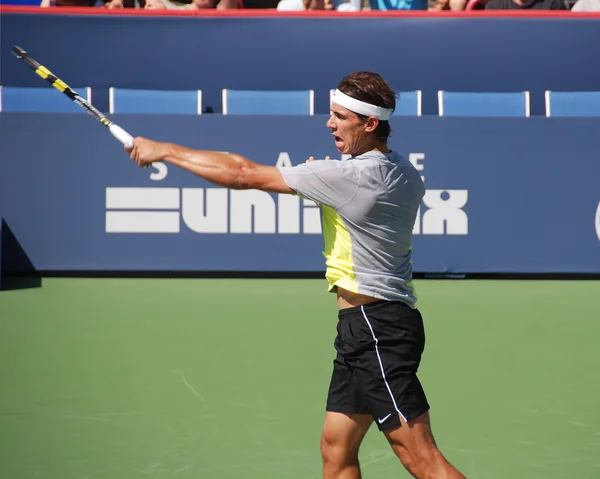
[{"x": 381, "y": 364}]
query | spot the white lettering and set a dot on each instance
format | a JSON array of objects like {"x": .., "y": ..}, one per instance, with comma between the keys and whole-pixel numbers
[
  {"x": 247, "y": 205},
  {"x": 204, "y": 211},
  {"x": 142, "y": 221},
  {"x": 417, "y": 226},
  {"x": 598, "y": 221},
  {"x": 414, "y": 158},
  {"x": 445, "y": 211},
  {"x": 219, "y": 210},
  {"x": 284, "y": 160},
  {"x": 161, "y": 171},
  {"x": 142, "y": 198}
]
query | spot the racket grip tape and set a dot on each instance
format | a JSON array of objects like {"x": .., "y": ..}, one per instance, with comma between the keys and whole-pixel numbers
[{"x": 121, "y": 135}]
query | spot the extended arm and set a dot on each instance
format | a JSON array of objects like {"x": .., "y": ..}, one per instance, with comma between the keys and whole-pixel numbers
[{"x": 224, "y": 169}]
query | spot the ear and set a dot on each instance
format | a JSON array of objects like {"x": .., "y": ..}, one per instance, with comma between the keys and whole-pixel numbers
[{"x": 371, "y": 123}]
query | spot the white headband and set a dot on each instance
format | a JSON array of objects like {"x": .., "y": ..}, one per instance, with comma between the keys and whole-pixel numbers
[{"x": 360, "y": 107}]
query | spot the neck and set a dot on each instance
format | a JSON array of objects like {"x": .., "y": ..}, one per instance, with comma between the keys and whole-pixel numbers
[{"x": 378, "y": 146}]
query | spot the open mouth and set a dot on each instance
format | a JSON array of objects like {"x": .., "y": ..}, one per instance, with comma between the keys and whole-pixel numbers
[{"x": 338, "y": 141}]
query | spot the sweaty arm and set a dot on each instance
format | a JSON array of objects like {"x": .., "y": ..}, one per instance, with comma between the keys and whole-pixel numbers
[{"x": 224, "y": 169}]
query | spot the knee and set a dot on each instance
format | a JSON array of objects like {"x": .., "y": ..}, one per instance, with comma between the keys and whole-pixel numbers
[
  {"x": 336, "y": 453},
  {"x": 424, "y": 463},
  {"x": 428, "y": 462},
  {"x": 330, "y": 451},
  {"x": 406, "y": 460}
]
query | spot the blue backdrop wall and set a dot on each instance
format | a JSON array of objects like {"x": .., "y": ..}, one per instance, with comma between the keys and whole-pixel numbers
[
  {"x": 514, "y": 196},
  {"x": 504, "y": 195}
]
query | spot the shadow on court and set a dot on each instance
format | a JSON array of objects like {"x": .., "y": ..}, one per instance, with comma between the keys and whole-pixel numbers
[{"x": 16, "y": 269}]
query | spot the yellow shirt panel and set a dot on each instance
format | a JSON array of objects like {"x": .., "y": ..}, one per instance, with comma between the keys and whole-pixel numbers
[{"x": 338, "y": 251}]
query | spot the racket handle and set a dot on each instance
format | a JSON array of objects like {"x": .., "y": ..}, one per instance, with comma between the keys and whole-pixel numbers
[{"x": 121, "y": 135}]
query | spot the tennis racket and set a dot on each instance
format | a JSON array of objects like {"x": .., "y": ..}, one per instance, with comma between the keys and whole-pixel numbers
[{"x": 118, "y": 132}]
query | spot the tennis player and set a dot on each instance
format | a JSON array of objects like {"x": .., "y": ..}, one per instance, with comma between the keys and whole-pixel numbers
[{"x": 369, "y": 205}]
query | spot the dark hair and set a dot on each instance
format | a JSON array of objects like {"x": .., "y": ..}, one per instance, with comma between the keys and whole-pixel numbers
[{"x": 371, "y": 88}]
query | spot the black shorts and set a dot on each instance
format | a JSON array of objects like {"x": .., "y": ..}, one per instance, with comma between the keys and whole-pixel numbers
[{"x": 379, "y": 348}]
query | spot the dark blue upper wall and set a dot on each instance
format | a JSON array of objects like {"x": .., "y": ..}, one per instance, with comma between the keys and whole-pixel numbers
[{"x": 211, "y": 53}]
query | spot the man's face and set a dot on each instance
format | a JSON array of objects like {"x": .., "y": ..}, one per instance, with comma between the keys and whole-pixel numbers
[{"x": 349, "y": 131}]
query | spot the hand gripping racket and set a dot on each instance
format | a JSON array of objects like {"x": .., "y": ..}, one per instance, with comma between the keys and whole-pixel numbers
[{"x": 118, "y": 132}]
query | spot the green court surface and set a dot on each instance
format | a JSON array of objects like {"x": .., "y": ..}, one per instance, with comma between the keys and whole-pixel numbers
[{"x": 222, "y": 379}]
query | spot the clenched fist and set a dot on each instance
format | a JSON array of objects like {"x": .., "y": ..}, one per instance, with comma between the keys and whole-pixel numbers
[{"x": 145, "y": 151}]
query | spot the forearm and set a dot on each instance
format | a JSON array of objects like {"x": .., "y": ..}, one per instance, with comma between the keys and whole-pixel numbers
[{"x": 224, "y": 169}]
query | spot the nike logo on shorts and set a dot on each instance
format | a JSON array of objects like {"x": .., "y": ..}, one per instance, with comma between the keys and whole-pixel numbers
[{"x": 382, "y": 419}]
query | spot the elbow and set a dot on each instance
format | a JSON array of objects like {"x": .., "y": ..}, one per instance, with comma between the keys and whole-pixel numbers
[
  {"x": 243, "y": 178},
  {"x": 240, "y": 184}
]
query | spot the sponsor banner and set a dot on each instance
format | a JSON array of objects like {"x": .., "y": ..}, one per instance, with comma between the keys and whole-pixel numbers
[{"x": 502, "y": 195}]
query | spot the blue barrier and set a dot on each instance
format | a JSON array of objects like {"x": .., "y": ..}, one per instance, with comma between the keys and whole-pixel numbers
[
  {"x": 503, "y": 195},
  {"x": 211, "y": 53},
  {"x": 1, "y": 251}
]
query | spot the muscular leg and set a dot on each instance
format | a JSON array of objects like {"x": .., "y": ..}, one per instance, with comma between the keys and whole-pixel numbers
[
  {"x": 414, "y": 444},
  {"x": 340, "y": 442}
]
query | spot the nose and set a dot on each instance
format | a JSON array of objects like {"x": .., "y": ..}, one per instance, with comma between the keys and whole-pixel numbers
[{"x": 330, "y": 123}]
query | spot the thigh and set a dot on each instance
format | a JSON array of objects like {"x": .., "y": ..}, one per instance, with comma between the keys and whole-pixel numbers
[
  {"x": 414, "y": 444},
  {"x": 345, "y": 432},
  {"x": 414, "y": 435},
  {"x": 343, "y": 395},
  {"x": 386, "y": 372}
]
